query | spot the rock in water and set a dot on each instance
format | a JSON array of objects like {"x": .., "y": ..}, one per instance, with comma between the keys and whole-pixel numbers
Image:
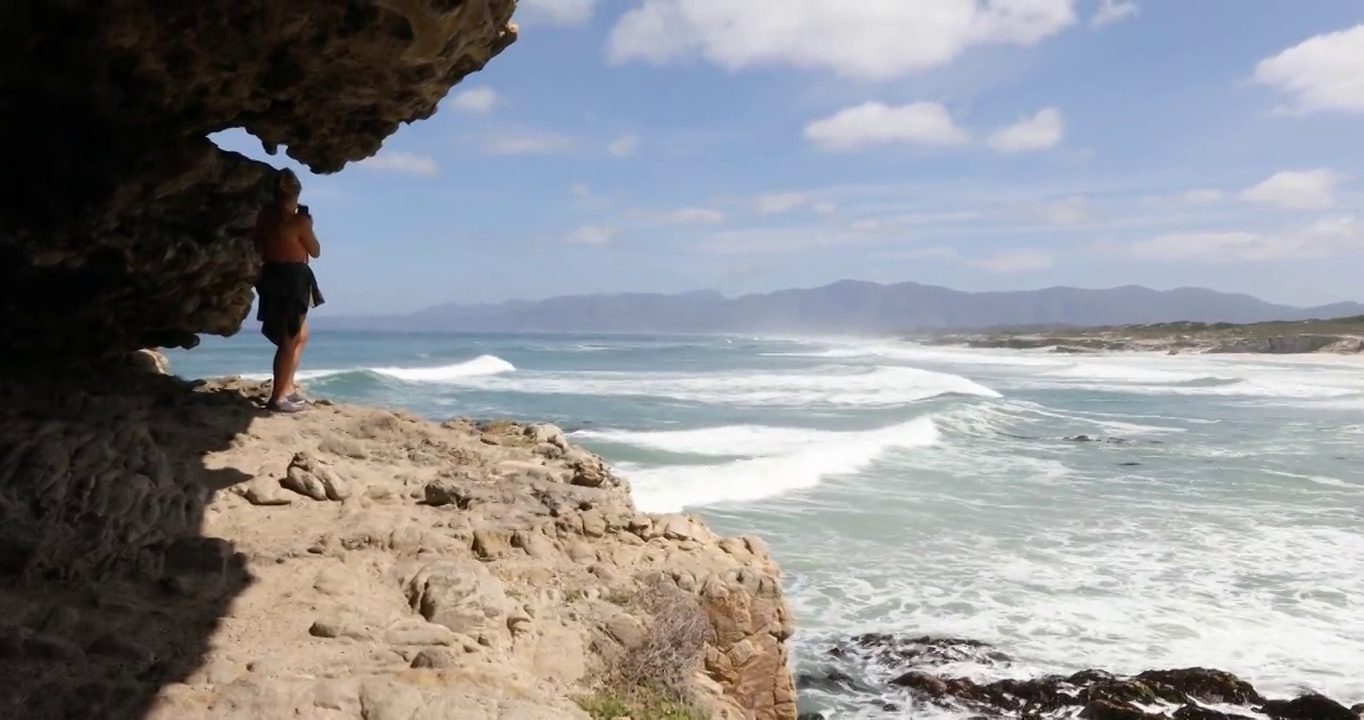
[{"x": 915, "y": 665}]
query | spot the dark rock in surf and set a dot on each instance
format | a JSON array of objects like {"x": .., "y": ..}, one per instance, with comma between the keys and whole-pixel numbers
[
  {"x": 925, "y": 651},
  {"x": 1183, "y": 693},
  {"x": 1106, "y": 440},
  {"x": 1312, "y": 706},
  {"x": 830, "y": 681}
]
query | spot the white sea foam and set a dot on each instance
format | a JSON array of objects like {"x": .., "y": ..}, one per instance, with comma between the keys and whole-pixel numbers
[
  {"x": 481, "y": 366},
  {"x": 1134, "y": 374},
  {"x": 671, "y": 488},
  {"x": 1319, "y": 479},
  {"x": 302, "y": 374},
  {"x": 909, "y": 352},
  {"x": 1271, "y": 604},
  {"x": 1334, "y": 380},
  {"x": 875, "y": 387},
  {"x": 1200, "y": 376},
  {"x": 727, "y": 441}
]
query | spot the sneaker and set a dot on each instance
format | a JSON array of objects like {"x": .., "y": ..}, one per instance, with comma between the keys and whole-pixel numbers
[{"x": 287, "y": 405}]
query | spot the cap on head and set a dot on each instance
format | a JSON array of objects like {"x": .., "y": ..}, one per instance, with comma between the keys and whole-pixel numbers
[{"x": 287, "y": 185}]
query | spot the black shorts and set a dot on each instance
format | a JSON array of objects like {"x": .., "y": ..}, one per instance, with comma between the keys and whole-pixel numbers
[{"x": 287, "y": 291}]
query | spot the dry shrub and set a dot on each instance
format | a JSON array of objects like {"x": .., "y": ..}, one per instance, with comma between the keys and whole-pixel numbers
[{"x": 651, "y": 679}]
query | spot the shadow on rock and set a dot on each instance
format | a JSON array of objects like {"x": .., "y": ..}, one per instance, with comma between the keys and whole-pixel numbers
[
  {"x": 917, "y": 679},
  {"x": 108, "y": 591}
]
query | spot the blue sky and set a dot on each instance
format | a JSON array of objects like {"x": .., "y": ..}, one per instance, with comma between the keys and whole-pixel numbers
[{"x": 751, "y": 145}]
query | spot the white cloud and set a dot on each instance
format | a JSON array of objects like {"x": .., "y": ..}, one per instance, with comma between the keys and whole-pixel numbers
[
  {"x": 867, "y": 39},
  {"x": 592, "y": 235},
  {"x": 872, "y": 225},
  {"x": 401, "y": 162},
  {"x": 932, "y": 252},
  {"x": 779, "y": 240},
  {"x": 476, "y": 100},
  {"x": 773, "y": 203},
  {"x": 1296, "y": 190},
  {"x": 1071, "y": 211},
  {"x": 1327, "y": 237},
  {"x": 1203, "y": 196},
  {"x": 1324, "y": 72},
  {"x": 683, "y": 216},
  {"x": 1039, "y": 132},
  {"x": 1113, "y": 11},
  {"x": 580, "y": 190},
  {"x": 900, "y": 222},
  {"x": 1015, "y": 261},
  {"x": 872, "y": 123},
  {"x": 623, "y": 145},
  {"x": 558, "y": 12},
  {"x": 526, "y": 142},
  {"x": 826, "y": 208}
]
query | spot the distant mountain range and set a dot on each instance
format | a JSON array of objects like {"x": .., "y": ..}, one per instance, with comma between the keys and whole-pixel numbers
[{"x": 847, "y": 307}]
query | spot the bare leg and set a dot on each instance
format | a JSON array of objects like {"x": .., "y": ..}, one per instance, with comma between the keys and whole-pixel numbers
[
  {"x": 296, "y": 355},
  {"x": 283, "y": 369}
]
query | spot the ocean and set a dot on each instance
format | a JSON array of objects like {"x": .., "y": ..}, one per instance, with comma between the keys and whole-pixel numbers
[{"x": 1215, "y": 517}]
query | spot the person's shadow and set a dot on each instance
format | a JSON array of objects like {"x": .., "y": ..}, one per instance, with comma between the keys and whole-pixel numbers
[{"x": 109, "y": 592}]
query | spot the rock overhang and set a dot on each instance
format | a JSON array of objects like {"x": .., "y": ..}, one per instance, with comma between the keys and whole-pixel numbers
[{"x": 127, "y": 227}]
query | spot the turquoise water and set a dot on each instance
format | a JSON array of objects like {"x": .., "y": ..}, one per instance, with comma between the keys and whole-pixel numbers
[{"x": 928, "y": 490}]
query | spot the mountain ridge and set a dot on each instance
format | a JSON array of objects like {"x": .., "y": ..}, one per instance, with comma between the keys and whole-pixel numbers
[{"x": 844, "y": 307}]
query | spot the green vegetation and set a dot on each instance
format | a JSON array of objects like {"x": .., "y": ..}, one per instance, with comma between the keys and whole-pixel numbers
[
  {"x": 497, "y": 426},
  {"x": 1278, "y": 336},
  {"x": 619, "y": 598},
  {"x": 1214, "y": 331},
  {"x": 637, "y": 704}
]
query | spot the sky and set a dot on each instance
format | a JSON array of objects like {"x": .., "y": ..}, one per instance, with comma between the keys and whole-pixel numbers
[{"x": 753, "y": 145}]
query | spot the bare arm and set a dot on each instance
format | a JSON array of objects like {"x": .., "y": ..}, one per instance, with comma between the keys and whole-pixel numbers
[{"x": 306, "y": 236}]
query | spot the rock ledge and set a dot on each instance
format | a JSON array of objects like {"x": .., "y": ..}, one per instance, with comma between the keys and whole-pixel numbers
[{"x": 170, "y": 550}]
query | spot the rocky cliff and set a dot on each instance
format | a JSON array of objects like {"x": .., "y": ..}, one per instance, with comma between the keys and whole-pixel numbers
[
  {"x": 124, "y": 226},
  {"x": 171, "y": 550}
]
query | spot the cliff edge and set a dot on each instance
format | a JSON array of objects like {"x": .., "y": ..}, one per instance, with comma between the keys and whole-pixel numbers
[{"x": 170, "y": 550}]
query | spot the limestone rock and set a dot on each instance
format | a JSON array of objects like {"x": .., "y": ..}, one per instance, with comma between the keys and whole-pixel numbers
[
  {"x": 307, "y": 476},
  {"x": 496, "y": 592},
  {"x": 149, "y": 361},
  {"x": 462, "y": 596}
]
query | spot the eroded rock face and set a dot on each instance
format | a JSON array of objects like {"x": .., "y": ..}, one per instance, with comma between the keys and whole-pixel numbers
[
  {"x": 171, "y": 551},
  {"x": 127, "y": 228}
]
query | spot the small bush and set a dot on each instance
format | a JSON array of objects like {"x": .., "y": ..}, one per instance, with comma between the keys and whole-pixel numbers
[
  {"x": 497, "y": 426},
  {"x": 652, "y": 678},
  {"x": 640, "y": 704}
]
